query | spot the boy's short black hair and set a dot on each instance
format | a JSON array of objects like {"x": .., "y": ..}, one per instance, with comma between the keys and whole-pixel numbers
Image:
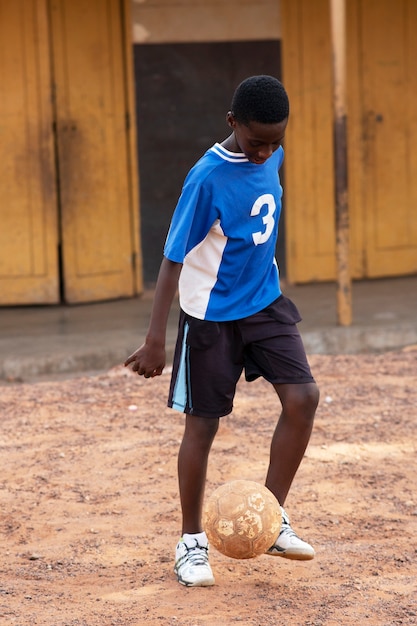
[{"x": 260, "y": 99}]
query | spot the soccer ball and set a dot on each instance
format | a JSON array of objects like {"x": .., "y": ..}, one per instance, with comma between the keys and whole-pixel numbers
[{"x": 242, "y": 519}]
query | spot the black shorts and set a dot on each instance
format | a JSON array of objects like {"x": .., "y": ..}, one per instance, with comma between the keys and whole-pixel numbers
[{"x": 210, "y": 357}]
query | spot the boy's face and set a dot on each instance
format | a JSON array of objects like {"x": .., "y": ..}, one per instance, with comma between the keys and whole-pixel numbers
[{"x": 256, "y": 140}]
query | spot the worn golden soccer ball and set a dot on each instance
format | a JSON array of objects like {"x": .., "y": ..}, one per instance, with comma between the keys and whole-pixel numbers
[{"x": 242, "y": 519}]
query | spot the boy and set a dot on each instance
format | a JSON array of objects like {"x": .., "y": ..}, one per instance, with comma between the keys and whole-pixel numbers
[{"x": 221, "y": 250}]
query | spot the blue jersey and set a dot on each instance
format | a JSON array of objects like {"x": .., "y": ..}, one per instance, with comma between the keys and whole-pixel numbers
[{"x": 224, "y": 231}]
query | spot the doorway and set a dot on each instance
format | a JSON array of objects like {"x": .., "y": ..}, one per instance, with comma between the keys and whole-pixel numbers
[{"x": 183, "y": 94}]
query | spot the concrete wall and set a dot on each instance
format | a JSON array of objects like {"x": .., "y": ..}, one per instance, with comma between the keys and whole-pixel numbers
[{"x": 188, "y": 21}]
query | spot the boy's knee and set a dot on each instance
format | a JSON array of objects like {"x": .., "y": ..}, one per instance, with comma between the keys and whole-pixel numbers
[
  {"x": 301, "y": 400},
  {"x": 200, "y": 428},
  {"x": 312, "y": 395}
]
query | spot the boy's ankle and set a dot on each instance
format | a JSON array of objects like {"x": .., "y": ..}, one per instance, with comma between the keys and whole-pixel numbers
[{"x": 200, "y": 537}]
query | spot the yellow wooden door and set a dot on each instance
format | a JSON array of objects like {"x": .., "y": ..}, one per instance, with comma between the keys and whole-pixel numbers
[
  {"x": 382, "y": 135},
  {"x": 386, "y": 186},
  {"x": 28, "y": 218},
  {"x": 309, "y": 187},
  {"x": 96, "y": 166}
]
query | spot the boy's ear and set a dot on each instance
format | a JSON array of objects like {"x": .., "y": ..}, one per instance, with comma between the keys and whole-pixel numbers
[{"x": 230, "y": 119}]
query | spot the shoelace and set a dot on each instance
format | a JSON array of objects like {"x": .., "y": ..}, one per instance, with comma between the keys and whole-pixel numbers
[
  {"x": 287, "y": 530},
  {"x": 286, "y": 526},
  {"x": 197, "y": 555}
]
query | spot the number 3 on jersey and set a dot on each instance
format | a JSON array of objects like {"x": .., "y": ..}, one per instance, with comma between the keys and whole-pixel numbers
[{"x": 268, "y": 219}]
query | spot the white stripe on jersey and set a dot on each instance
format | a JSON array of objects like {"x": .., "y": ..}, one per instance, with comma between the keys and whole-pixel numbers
[
  {"x": 226, "y": 155},
  {"x": 202, "y": 261}
]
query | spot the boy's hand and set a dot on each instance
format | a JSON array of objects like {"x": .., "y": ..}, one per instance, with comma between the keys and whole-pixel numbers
[
  {"x": 150, "y": 358},
  {"x": 148, "y": 361}
]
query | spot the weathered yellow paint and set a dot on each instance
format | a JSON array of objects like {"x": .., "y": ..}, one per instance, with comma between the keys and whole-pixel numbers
[
  {"x": 132, "y": 170},
  {"x": 387, "y": 51},
  {"x": 309, "y": 188},
  {"x": 95, "y": 157},
  {"x": 93, "y": 212},
  {"x": 382, "y": 133},
  {"x": 28, "y": 224},
  {"x": 344, "y": 281},
  {"x": 357, "y": 211}
]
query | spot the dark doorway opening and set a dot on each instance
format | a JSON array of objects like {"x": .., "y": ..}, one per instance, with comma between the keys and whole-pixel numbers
[{"x": 183, "y": 92}]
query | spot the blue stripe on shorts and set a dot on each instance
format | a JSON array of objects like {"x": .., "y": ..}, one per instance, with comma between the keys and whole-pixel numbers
[{"x": 181, "y": 389}]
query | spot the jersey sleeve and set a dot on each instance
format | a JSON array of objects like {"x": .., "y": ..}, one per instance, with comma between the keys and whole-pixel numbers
[{"x": 193, "y": 217}]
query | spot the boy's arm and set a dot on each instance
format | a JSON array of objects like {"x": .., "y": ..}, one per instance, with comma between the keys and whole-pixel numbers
[{"x": 149, "y": 359}]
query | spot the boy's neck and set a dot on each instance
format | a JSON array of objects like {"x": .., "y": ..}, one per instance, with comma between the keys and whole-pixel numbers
[{"x": 230, "y": 144}]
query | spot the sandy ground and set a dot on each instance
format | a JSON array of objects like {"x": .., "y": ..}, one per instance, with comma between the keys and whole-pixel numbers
[{"x": 89, "y": 503}]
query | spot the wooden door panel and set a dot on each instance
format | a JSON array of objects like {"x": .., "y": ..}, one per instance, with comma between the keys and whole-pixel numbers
[
  {"x": 389, "y": 87},
  {"x": 28, "y": 229},
  {"x": 309, "y": 189},
  {"x": 382, "y": 135},
  {"x": 93, "y": 151}
]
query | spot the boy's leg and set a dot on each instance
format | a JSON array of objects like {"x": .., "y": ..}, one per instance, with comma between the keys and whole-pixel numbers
[
  {"x": 289, "y": 442},
  {"x": 191, "y": 555},
  {"x": 207, "y": 365},
  {"x": 193, "y": 455},
  {"x": 291, "y": 436}
]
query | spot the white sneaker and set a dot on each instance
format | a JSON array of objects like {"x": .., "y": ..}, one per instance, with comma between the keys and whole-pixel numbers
[
  {"x": 289, "y": 545},
  {"x": 192, "y": 566}
]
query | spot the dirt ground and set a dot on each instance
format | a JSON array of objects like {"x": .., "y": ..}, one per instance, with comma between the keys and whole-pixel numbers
[{"x": 89, "y": 511}]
